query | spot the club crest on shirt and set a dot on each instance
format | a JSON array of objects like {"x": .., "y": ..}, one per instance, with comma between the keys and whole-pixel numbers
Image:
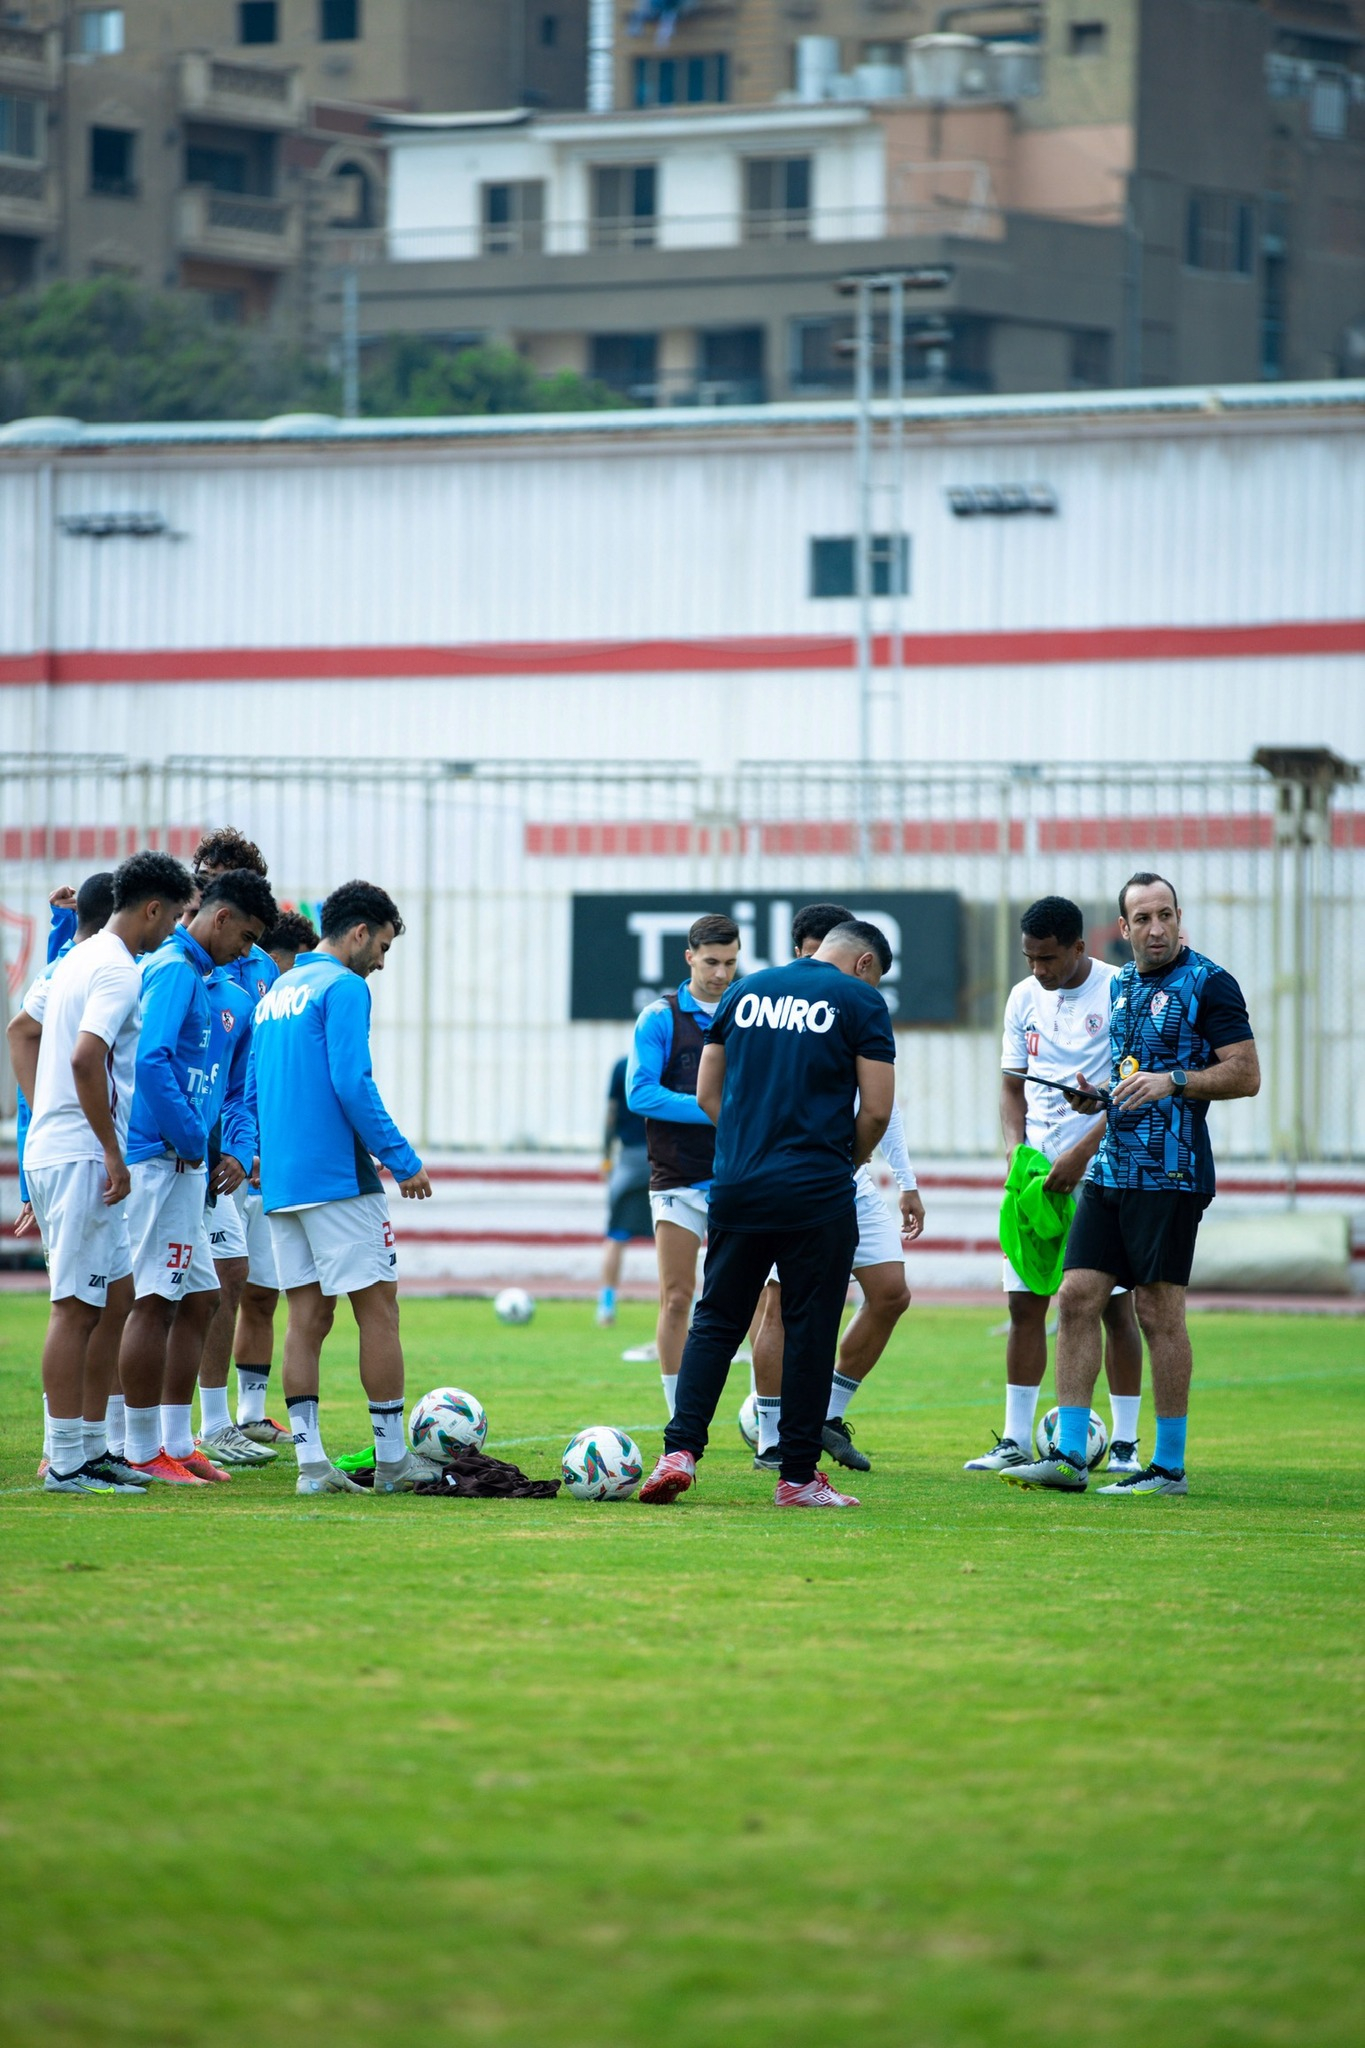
[
  {"x": 1159, "y": 1001},
  {"x": 1094, "y": 1022},
  {"x": 228, "y": 1019}
]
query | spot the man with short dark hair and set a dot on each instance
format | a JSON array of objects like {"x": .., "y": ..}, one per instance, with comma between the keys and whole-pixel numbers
[
  {"x": 76, "y": 1061},
  {"x": 799, "y": 1077},
  {"x": 322, "y": 1125},
  {"x": 878, "y": 1268},
  {"x": 1180, "y": 1038},
  {"x": 1057, "y": 1024},
  {"x": 661, "y": 1086},
  {"x": 294, "y": 934},
  {"x": 174, "y": 1282}
]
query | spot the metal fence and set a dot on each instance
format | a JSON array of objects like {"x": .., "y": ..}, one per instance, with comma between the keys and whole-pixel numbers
[{"x": 474, "y": 1046}]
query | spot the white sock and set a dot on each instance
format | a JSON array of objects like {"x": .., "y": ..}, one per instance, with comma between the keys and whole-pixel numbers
[
  {"x": 1124, "y": 1409},
  {"x": 213, "y": 1410},
  {"x": 67, "y": 1434},
  {"x": 47, "y": 1431},
  {"x": 1021, "y": 1405},
  {"x": 113, "y": 1424},
  {"x": 96, "y": 1442},
  {"x": 769, "y": 1420},
  {"x": 252, "y": 1381},
  {"x": 141, "y": 1434},
  {"x": 177, "y": 1429},
  {"x": 390, "y": 1437},
  {"x": 670, "y": 1383},
  {"x": 840, "y": 1394},
  {"x": 303, "y": 1414}
]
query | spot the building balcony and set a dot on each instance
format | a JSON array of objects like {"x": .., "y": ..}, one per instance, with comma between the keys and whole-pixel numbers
[
  {"x": 30, "y": 58},
  {"x": 240, "y": 95},
  {"x": 28, "y": 204},
  {"x": 229, "y": 227}
]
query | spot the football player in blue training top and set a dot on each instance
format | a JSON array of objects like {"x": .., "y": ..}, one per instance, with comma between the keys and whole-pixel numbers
[
  {"x": 1179, "y": 1039},
  {"x": 322, "y": 1125}
]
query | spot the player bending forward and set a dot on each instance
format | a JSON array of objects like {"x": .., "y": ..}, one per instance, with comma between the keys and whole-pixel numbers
[
  {"x": 878, "y": 1268},
  {"x": 1057, "y": 1026},
  {"x": 792, "y": 1050},
  {"x": 322, "y": 1125}
]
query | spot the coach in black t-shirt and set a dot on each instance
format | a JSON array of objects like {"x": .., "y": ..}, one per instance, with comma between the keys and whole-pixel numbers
[{"x": 798, "y": 1075}]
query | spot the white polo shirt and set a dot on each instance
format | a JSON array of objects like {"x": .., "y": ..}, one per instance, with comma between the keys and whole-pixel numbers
[
  {"x": 1059, "y": 1034},
  {"x": 97, "y": 988}
]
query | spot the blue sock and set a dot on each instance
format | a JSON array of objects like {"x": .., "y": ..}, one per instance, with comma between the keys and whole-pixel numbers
[
  {"x": 606, "y": 1298},
  {"x": 1073, "y": 1431},
  {"x": 1170, "y": 1442}
]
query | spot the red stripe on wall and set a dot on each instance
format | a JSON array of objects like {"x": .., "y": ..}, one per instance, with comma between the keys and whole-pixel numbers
[
  {"x": 1044, "y": 647},
  {"x": 94, "y": 842}
]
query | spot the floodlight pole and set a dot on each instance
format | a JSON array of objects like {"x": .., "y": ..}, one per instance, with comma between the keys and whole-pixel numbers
[{"x": 350, "y": 342}]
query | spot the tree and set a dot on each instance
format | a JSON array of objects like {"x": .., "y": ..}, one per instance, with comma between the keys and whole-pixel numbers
[
  {"x": 111, "y": 350},
  {"x": 414, "y": 375}
]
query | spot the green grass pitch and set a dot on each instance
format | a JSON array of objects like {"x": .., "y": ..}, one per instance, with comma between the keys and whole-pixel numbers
[{"x": 965, "y": 1766}]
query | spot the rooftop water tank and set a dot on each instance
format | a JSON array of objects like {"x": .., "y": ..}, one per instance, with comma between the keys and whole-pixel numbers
[
  {"x": 950, "y": 67},
  {"x": 817, "y": 66}
]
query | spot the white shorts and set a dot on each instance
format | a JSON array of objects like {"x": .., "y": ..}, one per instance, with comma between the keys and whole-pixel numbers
[
  {"x": 879, "y": 1233},
  {"x": 340, "y": 1247},
  {"x": 86, "y": 1242},
  {"x": 260, "y": 1245},
  {"x": 1014, "y": 1285},
  {"x": 166, "y": 1225},
  {"x": 227, "y": 1237},
  {"x": 684, "y": 1206}
]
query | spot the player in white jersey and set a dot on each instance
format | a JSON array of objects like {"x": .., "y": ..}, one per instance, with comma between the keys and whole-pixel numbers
[
  {"x": 878, "y": 1267},
  {"x": 1057, "y": 1026},
  {"x": 76, "y": 1066}
]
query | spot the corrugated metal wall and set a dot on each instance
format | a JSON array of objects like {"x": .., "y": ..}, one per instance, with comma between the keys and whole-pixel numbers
[{"x": 474, "y": 1047}]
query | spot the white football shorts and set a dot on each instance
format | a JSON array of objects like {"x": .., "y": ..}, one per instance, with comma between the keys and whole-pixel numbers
[
  {"x": 879, "y": 1234},
  {"x": 340, "y": 1246},
  {"x": 684, "y": 1206},
  {"x": 223, "y": 1222},
  {"x": 260, "y": 1245},
  {"x": 86, "y": 1242},
  {"x": 166, "y": 1226},
  {"x": 1014, "y": 1285}
]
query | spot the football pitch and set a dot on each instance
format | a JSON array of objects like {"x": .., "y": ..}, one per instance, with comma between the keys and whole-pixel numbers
[{"x": 963, "y": 1766}]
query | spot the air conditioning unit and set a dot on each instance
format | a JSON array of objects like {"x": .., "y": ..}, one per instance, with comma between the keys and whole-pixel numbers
[{"x": 948, "y": 68}]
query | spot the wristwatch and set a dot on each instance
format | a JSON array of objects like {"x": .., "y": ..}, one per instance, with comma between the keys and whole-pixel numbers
[{"x": 1179, "y": 1079}]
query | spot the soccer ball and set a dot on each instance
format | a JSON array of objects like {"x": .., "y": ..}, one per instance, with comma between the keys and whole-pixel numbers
[
  {"x": 446, "y": 1422},
  {"x": 602, "y": 1464},
  {"x": 513, "y": 1305},
  {"x": 1096, "y": 1444},
  {"x": 748, "y": 1421}
]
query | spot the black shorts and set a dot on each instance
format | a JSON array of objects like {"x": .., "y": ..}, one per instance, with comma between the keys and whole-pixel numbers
[{"x": 1142, "y": 1236}]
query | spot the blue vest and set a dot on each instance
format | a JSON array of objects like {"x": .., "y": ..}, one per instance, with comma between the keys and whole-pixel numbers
[{"x": 1155, "y": 1020}]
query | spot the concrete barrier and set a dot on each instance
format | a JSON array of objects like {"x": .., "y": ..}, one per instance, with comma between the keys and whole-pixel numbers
[{"x": 1298, "y": 1251}]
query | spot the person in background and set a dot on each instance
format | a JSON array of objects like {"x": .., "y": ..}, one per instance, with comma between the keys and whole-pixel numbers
[
  {"x": 294, "y": 934},
  {"x": 625, "y": 1167}
]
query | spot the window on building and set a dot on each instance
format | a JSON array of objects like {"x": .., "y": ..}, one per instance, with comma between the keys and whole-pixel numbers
[
  {"x": 833, "y": 565},
  {"x": 112, "y": 162},
  {"x": 258, "y": 21},
  {"x": 224, "y": 169},
  {"x": 818, "y": 361},
  {"x": 1220, "y": 233},
  {"x": 514, "y": 218},
  {"x": 682, "y": 81},
  {"x": 339, "y": 21},
  {"x": 628, "y": 363},
  {"x": 99, "y": 31},
  {"x": 1090, "y": 354},
  {"x": 777, "y": 199},
  {"x": 549, "y": 31},
  {"x": 1329, "y": 104},
  {"x": 1087, "y": 38},
  {"x": 623, "y": 206},
  {"x": 730, "y": 365},
  {"x": 21, "y": 127}
]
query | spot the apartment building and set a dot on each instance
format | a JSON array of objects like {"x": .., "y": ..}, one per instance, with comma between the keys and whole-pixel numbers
[
  {"x": 210, "y": 144},
  {"x": 1124, "y": 191}
]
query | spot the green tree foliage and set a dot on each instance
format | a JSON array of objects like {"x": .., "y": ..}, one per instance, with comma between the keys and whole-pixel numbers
[
  {"x": 416, "y": 376},
  {"x": 110, "y": 350}
]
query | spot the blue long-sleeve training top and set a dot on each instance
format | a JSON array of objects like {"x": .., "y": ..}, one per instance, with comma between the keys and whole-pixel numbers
[
  {"x": 322, "y": 1123},
  {"x": 170, "y": 1097},
  {"x": 231, "y": 1011},
  {"x": 645, "y": 1092}
]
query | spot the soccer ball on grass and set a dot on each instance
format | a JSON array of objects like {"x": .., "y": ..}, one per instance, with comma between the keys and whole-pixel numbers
[
  {"x": 748, "y": 1421},
  {"x": 513, "y": 1305},
  {"x": 447, "y": 1422},
  {"x": 1096, "y": 1444},
  {"x": 602, "y": 1464}
]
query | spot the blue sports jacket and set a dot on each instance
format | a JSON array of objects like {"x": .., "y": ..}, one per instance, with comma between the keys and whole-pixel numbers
[
  {"x": 322, "y": 1123},
  {"x": 254, "y": 973},
  {"x": 170, "y": 1098},
  {"x": 231, "y": 1010}
]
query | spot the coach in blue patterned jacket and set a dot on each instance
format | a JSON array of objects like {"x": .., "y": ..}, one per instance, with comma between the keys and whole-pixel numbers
[{"x": 1179, "y": 1039}]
